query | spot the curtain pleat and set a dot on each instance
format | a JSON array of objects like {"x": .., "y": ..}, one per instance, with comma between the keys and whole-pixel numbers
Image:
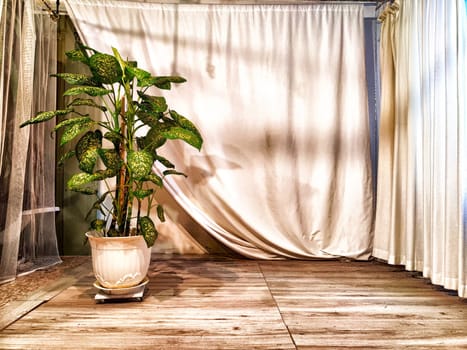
[
  {"x": 420, "y": 213},
  {"x": 27, "y": 221},
  {"x": 279, "y": 94}
]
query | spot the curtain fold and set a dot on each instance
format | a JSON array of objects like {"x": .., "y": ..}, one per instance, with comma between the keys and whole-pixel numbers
[
  {"x": 279, "y": 94},
  {"x": 421, "y": 203},
  {"x": 27, "y": 211}
]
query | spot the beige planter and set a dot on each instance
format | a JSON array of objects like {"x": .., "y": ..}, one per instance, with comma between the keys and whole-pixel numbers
[{"x": 119, "y": 262}]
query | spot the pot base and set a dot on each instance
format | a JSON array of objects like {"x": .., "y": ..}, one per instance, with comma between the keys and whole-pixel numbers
[{"x": 135, "y": 292}]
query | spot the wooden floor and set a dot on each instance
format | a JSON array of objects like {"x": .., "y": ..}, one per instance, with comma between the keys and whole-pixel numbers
[{"x": 245, "y": 304}]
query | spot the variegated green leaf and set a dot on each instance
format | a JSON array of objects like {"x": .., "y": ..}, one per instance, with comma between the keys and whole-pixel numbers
[
  {"x": 110, "y": 158},
  {"x": 105, "y": 68},
  {"x": 88, "y": 90},
  {"x": 71, "y": 121},
  {"x": 139, "y": 73},
  {"x": 160, "y": 213},
  {"x": 185, "y": 124},
  {"x": 44, "y": 116},
  {"x": 113, "y": 137},
  {"x": 86, "y": 102},
  {"x": 77, "y": 55},
  {"x": 156, "y": 104},
  {"x": 155, "y": 179},
  {"x": 141, "y": 194},
  {"x": 76, "y": 79},
  {"x": 165, "y": 162},
  {"x": 179, "y": 133},
  {"x": 79, "y": 181},
  {"x": 148, "y": 230},
  {"x": 87, "y": 150},
  {"x": 139, "y": 163},
  {"x": 66, "y": 156},
  {"x": 154, "y": 139},
  {"x": 71, "y": 131},
  {"x": 165, "y": 82},
  {"x": 172, "y": 172}
]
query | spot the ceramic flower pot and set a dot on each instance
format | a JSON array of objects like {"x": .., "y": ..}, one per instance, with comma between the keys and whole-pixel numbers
[{"x": 119, "y": 262}]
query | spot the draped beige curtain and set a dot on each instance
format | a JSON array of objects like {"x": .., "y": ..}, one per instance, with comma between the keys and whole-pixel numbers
[
  {"x": 279, "y": 94},
  {"x": 27, "y": 156},
  {"x": 421, "y": 195}
]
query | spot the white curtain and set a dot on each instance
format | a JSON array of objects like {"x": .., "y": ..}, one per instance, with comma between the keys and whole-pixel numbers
[
  {"x": 421, "y": 205},
  {"x": 279, "y": 94},
  {"x": 27, "y": 156}
]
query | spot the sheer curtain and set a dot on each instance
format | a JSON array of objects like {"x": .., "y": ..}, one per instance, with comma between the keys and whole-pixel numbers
[
  {"x": 27, "y": 156},
  {"x": 279, "y": 94},
  {"x": 421, "y": 205}
]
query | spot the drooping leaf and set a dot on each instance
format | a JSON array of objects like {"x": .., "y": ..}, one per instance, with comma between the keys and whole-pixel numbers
[
  {"x": 148, "y": 230},
  {"x": 66, "y": 156},
  {"x": 87, "y": 150},
  {"x": 185, "y": 124},
  {"x": 76, "y": 79},
  {"x": 113, "y": 137},
  {"x": 141, "y": 194},
  {"x": 77, "y": 55},
  {"x": 156, "y": 104},
  {"x": 179, "y": 133},
  {"x": 155, "y": 179},
  {"x": 160, "y": 213},
  {"x": 44, "y": 116},
  {"x": 165, "y": 162},
  {"x": 139, "y": 163},
  {"x": 86, "y": 102},
  {"x": 105, "y": 68},
  {"x": 71, "y": 121},
  {"x": 110, "y": 158},
  {"x": 173, "y": 172},
  {"x": 71, "y": 131},
  {"x": 88, "y": 90}
]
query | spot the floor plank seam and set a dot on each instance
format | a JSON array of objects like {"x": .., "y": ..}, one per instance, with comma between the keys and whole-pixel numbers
[{"x": 277, "y": 305}]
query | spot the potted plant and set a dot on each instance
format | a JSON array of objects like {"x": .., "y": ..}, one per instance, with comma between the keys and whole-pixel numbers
[{"x": 117, "y": 147}]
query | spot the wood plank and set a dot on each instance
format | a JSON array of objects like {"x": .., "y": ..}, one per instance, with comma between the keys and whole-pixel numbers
[{"x": 245, "y": 304}]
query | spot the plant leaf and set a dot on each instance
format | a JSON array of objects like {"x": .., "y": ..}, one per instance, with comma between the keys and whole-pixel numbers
[
  {"x": 172, "y": 172},
  {"x": 87, "y": 150},
  {"x": 75, "y": 79},
  {"x": 97, "y": 225},
  {"x": 155, "y": 179},
  {"x": 71, "y": 131},
  {"x": 141, "y": 194},
  {"x": 164, "y": 82},
  {"x": 78, "y": 181},
  {"x": 148, "y": 230},
  {"x": 88, "y": 90},
  {"x": 86, "y": 102},
  {"x": 165, "y": 162},
  {"x": 66, "y": 156},
  {"x": 156, "y": 104},
  {"x": 139, "y": 163},
  {"x": 77, "y": 55},
  {"x": 113, "y": 137},
  {"x": 44, "y": 116},
  {"x": 72, "y": 121},
  {"x": 179, "y": 133},
  {"x": 110, "y": 158},
  {"x": 105, "y": 68},
  {"x": 160, "y": 213}
]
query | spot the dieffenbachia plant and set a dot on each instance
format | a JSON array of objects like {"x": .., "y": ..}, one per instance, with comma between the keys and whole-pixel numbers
[{"x": 118, "y": 91}]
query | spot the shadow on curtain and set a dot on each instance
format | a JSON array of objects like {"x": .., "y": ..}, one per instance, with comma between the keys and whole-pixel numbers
[{"x": 279, "y": 94}]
